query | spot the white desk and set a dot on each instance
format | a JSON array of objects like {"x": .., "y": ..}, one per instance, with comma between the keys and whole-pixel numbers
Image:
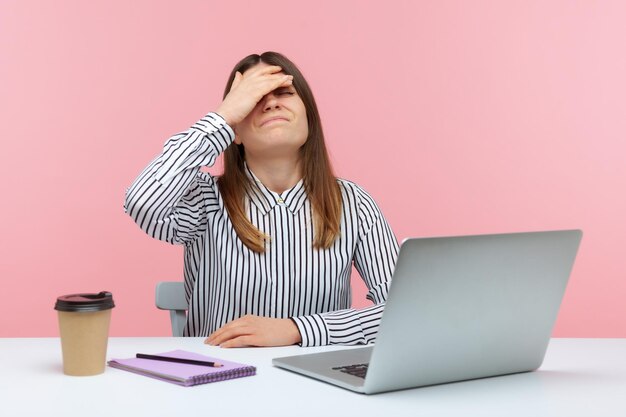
[{"x": 579, "y": 377}]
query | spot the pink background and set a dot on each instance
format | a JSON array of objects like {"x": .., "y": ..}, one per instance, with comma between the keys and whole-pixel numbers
[{"x": 459, "y": 117}]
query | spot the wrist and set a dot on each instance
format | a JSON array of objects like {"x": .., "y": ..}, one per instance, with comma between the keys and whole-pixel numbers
[
  {"x": 297, "y": 337},
  {"x": 224, "y": 115}
]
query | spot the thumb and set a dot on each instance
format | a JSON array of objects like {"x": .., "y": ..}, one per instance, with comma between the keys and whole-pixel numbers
[{"x": 236, "y": 81}]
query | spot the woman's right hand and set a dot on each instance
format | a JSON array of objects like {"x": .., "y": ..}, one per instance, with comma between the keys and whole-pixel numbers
[{"x": 247, "y": 90}]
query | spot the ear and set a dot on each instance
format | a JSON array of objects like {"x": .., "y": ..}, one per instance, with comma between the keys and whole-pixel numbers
[{"x": 237, "y": 139}]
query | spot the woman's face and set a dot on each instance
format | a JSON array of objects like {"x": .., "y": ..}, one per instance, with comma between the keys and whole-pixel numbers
[{"x": 277, "y": 126}]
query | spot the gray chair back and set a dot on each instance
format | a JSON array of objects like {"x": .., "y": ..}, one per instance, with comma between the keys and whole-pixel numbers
[{"x": 171, "y": 296}]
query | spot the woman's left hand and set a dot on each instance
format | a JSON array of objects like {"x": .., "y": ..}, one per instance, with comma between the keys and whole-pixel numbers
[{"x": 252, "y": 330}]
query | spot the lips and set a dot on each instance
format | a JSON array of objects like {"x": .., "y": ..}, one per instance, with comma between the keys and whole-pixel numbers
[{"x": 272, "y": 119}]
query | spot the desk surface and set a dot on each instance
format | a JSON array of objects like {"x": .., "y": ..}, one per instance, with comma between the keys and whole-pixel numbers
[{"x": 579, "y": 377}]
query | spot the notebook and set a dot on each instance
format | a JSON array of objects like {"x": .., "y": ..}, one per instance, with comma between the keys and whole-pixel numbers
[{"x": 184, "y": 374}]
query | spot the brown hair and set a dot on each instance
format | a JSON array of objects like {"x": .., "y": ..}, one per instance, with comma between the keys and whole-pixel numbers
[{"x": 320, "y": 183}]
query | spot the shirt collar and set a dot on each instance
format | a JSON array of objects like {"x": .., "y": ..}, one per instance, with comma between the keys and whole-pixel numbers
[{"x": 265, "y": 199}]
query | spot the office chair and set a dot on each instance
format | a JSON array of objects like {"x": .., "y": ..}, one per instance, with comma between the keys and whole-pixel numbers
[{"x": 171, "y": 296}]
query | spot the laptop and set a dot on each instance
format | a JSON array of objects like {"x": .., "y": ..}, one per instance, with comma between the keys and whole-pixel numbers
[{"x": 458, "y": 308}]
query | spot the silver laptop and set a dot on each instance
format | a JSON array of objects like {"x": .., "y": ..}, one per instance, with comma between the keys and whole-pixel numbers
[{"x": 459, "y": 308}]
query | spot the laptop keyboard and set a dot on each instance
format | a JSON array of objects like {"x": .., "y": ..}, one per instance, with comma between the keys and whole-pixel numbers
[{"x": 359, "y": 370}]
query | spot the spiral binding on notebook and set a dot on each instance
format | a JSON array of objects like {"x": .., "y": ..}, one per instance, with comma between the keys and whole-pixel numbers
[{"x": 223, "y": 376}]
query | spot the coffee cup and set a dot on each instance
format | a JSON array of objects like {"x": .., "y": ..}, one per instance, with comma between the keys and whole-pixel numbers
[{"x": 84, "y": 326}]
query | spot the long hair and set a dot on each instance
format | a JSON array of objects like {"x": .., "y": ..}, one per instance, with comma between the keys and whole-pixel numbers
[{"x": 319, "y": 180}]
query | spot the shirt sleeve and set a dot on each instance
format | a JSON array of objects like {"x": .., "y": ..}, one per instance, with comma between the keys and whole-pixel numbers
[
  {"x": 170, "y": 199},
  {"x": 375, "y": 259}
]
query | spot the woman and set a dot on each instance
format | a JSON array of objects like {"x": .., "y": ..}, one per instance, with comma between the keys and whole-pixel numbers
[{"x": 269, "y": 245}]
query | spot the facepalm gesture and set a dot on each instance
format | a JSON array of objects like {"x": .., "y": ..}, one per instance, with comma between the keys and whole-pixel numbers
[{"x": 248, "y": 89}]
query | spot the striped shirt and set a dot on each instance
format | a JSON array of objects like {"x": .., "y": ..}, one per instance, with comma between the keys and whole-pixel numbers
[{"x": 174, "y": 201}]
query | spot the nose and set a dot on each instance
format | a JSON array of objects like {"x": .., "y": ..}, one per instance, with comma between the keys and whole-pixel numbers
[{"x": 270, "y": 102}]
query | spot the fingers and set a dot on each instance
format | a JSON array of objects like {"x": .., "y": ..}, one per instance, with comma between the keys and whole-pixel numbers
[
  {"x": 247, "y": 89},
  {"x": 241, "y": 341},
  {"x": 263, "y": 81},
  {"x": 253, "y": 330},
  {"x": 283, "y": 81},
  {"x": 227, "y": 335},
  {"x": 233, "y": 329},
  {"x": 236, "y": 337},
  {"x": 271, "y": 69},
  {"x": 287, "y": 80},
  {"x": 258, "y": 71},
  {"x": 272, "y": 72}
]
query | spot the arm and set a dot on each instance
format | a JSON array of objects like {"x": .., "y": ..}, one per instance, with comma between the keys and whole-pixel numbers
[
  {"x": 375, "y": 259},
  {"x": 167, "y": 199}
]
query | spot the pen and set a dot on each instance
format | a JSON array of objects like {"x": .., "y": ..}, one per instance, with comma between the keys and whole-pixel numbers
[{"x": 178, "y": 360}]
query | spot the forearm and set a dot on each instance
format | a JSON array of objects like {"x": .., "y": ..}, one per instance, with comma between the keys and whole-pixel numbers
[
  {"x": 344, "y": 327},
  {"x": 151, "y": 199}
]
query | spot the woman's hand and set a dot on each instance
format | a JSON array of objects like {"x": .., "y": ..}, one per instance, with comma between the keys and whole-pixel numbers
[
  {"x": 247, "y": 90},
  {"x": 252, "y": 330}
]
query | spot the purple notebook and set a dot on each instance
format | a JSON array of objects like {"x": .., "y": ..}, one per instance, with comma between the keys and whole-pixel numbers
[{"x": 184, "y": 374}]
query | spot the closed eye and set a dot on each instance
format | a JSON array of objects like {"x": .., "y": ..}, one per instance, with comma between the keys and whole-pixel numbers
[{"x": 283, "y": 91}]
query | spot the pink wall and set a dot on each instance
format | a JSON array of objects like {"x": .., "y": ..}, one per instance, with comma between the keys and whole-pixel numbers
[{"x": 458, "y": 117}]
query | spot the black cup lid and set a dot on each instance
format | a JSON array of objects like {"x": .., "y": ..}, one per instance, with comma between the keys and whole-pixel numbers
[{"x": 85, "y": 302}]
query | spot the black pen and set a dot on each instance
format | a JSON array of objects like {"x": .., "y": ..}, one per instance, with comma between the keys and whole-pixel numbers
[{"x": 178, "y": 360}]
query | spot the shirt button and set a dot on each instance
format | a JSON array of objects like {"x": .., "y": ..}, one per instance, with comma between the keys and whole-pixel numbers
[{"x": 280, "y": 200}]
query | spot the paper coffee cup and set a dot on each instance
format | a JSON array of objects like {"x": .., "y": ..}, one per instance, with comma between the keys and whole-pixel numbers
[{"x": 84, "y": 325}]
